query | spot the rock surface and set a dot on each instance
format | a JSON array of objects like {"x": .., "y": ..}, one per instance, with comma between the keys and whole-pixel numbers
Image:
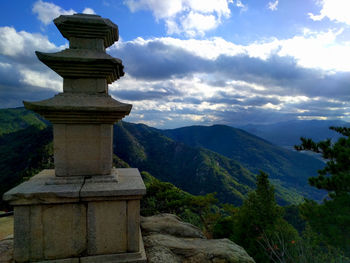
[
  {"x": 6, "y": 250},
  {"x": 168, "y": 239},
  {"x": 169, "y": 224}
]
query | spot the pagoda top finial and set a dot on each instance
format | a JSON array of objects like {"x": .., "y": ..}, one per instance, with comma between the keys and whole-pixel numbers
[{"x": 87, "y": 27}]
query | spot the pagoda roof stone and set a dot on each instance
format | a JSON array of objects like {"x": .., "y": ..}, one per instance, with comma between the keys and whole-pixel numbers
[
  {"x": 83, "y": 63},
  {"x": 88, "y": 26},
  {"x": 80, "y": 108}
]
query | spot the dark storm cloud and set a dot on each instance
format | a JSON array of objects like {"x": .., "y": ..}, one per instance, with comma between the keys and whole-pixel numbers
[
  {"x": 321, "y": 104},
  {"x": 187, "y": 100},
  {"x": 156, "y": 60},
  {"x": 13, "y": 91},
  {"x": 227, "y": 98},
  {"x": 161, "y": 67},
  {"x": 144, "y": 95},
  {"x": 253, "y": 115},
  {"x": 12, "y": 96}
]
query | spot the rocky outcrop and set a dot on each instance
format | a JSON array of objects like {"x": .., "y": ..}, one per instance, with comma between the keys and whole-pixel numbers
[
  {"x": 6, "y": 250},
  {"x": 168, "y": 239},
  {"x": 169, "y": 224}
]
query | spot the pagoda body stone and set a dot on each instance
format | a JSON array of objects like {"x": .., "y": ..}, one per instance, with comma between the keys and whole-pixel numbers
[{"x": 84, "y": 210}]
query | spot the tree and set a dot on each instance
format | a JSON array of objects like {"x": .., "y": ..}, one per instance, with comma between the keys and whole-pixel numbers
[
  {"x": 260, "y": 217},
  {"x": 335, "y": 176},
  {"x": 331, "y": 219}
]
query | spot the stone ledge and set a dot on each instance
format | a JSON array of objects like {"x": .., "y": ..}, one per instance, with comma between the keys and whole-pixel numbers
[
  {"x": 41, "y": 189},
  {"x": 130, "y": 183},
  {"x": 136, "y": 257},
  {"x": 36, "y": 191},
  {"x": 6, "y": 255}
]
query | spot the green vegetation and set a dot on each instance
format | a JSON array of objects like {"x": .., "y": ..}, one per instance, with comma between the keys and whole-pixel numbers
[
  {"x": 23, "y": 154},
  {"x": 258, "y": 220},
  {"x": 211, "y": 189},
  {"x": 12, "y": 120},
  {"x": 331, "y": 219},
  {"x": 164, "y": 197},
  {"x": 288, "y": 170},
  {"x": 197, "y": 171}
]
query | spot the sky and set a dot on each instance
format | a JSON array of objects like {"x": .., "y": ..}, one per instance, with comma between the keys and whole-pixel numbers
[{"x": 196, "y": 62}]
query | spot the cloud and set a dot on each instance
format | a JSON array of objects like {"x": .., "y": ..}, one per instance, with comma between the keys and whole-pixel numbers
[
  {"x": 213, "y": 80},
  {"x": 272, "y": 5},
  {"x": 46, "y": 80},
  {"x": 22, "y": 75},
  {"x": 47, "y": 11},
  {"x": 196, "y": 23},
  {"x": 311, "y": 50},
  {"x": 173, "y": 82},
  {"x": 89, "y": 11},
  {"x": 16, "y": 44},
  {"x": 335, "y": 10},
  {"x": 190, "y": 17}
]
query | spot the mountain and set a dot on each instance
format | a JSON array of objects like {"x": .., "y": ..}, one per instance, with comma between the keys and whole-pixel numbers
[
  {"x": 286, "y": 168},
  {"x": 288, "y": 133},
  {"x": 25, "y": 151},
  {"x": 12, "y": 120},
  {"x": 197, "y": 171}
]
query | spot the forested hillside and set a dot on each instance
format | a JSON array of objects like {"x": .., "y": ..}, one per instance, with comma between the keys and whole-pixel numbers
[
  {"x": 182, "y": 173},
  {"x": 286, "y": 168},
  {"x": 199, "y": 160}
]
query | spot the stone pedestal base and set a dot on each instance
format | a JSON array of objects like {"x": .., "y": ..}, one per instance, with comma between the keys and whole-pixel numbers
[
  {"x": 131, "y": 257},
  {"x": 82, "y": 220}
]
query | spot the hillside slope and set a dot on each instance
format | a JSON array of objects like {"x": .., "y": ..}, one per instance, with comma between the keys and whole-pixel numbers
[
  {"x": 23, "y": 154},
  {"x": 12, "y": 120},
  {"x": 198, "y": 171},
  {"x": 287, "y": 168}
]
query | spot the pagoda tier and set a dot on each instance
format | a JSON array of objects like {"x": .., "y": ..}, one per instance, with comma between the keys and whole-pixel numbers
[
  {"x": 88, "y": 26},
  {"x": 83, "y": 63},
  {"x": 80, "y": 108}
]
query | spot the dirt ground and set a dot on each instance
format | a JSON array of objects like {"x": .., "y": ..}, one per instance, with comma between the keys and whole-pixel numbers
[{"x": 6, "y": 226}]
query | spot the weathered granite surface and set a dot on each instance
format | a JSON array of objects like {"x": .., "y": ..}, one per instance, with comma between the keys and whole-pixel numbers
[
  {"x": 45, "y": 188},
  {"x": 91, "y": 219},
  {"x": 86, "y": 26},
  {"x": 6, "y": 250},
  {"x": 168, "y": 239},
  {"x": 171, "y": 225}
]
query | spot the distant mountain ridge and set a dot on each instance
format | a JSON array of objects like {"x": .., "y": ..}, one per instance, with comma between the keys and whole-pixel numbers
[
  {"x": 288, "y": 133},
  {"x": 15, "y": 119},
  {"x": 190, "y": 167},
  {"x": 198, "y": 171}
]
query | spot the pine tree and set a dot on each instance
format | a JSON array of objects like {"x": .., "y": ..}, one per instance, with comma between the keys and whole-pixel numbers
[
  {"x": 335, "y": 176},
  {"x": 331, "y": 219},
  {"x": 260, "y": 217}
]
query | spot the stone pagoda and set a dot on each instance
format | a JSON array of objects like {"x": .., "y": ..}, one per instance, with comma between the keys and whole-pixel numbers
[{"x": 84, "y": 210}]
